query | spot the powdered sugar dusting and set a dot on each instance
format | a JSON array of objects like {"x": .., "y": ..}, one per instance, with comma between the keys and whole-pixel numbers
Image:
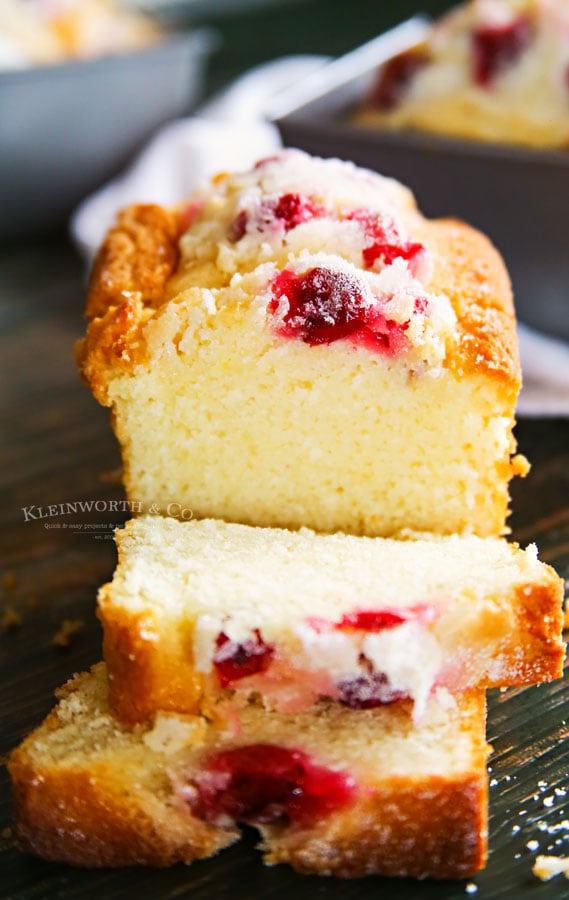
[
  {"x": 321, "y": 298},
  {"x": 296, "y": 212}
]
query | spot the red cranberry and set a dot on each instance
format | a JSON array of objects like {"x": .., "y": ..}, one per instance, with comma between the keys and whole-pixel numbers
[
  {"x": 294, "y": 209},
  {"x": 396, "y": 77},
  {"x": 388, "y": 252},
  {"x": 235, "y": 660},
  {"x": 289, "y": 209},
  {"x": 238, "y": 227},
  {"x": 382, "y": 335},
  {"x": 267, "y": 160},
  {"x": 265, "y": 783},
  {"x": 496, "y": 47},
  {"x": 371, "y": 620},
  {"x": 325, "y": 305},
  {"x": 368, "y": 691},
  {"x": 383, "y": 241},
  {"x": 375, "y": 620}
]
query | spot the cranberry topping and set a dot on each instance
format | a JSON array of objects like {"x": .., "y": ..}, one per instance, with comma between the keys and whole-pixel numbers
[
  {"x": 368, "y": 691},
  {"x": 396, "y": 77},
  {"x": 265, "y": 783},
  {"x": 294, "y": 209},
  {"x": 385, "y": 251},
  {"x": 495, "y": 47},
  {"x": 384, "y": 241},
  {"x": 382, "y": 335},
  {"x": 235, "y": 660},
  {"x": 289, "y": 210},
  {"x": 325, "y": 305}
]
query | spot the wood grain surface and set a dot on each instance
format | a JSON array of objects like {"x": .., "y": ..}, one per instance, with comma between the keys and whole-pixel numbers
[{"x": 55, "y": 447}]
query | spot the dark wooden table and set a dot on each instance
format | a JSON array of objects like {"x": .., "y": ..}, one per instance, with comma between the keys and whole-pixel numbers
[{"x": 56, "y": 446}]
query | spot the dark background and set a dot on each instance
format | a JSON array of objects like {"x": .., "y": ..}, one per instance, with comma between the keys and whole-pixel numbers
[{"x": 263, "y": 31}]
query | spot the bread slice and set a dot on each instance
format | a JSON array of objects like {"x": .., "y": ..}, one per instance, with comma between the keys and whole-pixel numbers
[
  {"x": 298, "y": 346},
  {"x": 89, "y": 792},
  {"x": 199, "y": 608},
  {"x": 332, "y": 791}
]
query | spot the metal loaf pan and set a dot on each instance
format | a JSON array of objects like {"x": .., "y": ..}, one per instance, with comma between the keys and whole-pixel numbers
[{"x": 64, "y": 129}]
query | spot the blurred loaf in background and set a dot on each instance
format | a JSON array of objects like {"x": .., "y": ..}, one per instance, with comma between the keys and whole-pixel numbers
[
  {"x": 40, "y": 32},
  {"x": 492, "y": 70}
]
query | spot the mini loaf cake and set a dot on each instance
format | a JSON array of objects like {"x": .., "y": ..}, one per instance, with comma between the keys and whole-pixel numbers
[
  {"x": 332, "y": 791},
  {"x": 492, "y": 70},
  {"x": 56, "y": 31},
  {"x": 298, "y": 346},
  {"x": 199, "y": 611}
]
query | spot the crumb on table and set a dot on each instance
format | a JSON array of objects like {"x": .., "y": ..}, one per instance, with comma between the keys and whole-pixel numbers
[
  {"x": 546, "y": 867},
  {"x": 112, "y": 476},
  {"x": 11, "y": 619},
  {"x": 67, "y": 631}
]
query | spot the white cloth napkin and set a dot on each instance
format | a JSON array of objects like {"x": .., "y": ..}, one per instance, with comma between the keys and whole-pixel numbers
[{"x": 229, "y": 133}]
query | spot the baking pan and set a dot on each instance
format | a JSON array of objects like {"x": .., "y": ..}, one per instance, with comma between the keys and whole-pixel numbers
[
  {"x": 518, "y": 196},
  {"x": 65, "y": 129}
]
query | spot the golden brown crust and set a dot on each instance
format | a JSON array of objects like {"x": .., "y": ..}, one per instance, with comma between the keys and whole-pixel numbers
[
  {"x": 471, "y": 273},
  {"x": 138, "y": 256},
  {"x": 92, "y": 811},
  {"x": 541, "y": 620},
  {"x": 145, "y": 676},
  {"x": 109, "y": 801},
  {"x": 111, "y": 340},
  {"x": 129, "y": 278},
  {"x": 88, "y": 818},
  {"x": 82, "y": 818},
  {"x": 436, "y": 828}
]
